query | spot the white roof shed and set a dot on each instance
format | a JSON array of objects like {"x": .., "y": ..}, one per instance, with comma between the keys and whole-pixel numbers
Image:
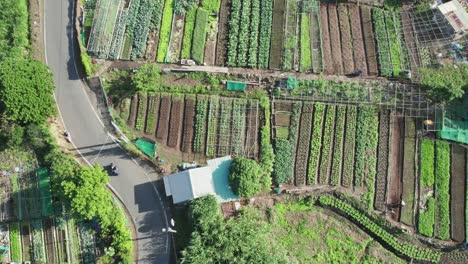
[
  {"x": 455, "y": 14},
  {"x": 190, "y": 184}
]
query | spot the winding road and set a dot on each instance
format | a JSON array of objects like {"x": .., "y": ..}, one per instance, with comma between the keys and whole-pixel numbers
[{"x": 136, "y": 188}]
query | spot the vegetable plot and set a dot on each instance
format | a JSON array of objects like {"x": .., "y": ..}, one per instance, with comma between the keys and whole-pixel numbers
[
  {"x": 165, "y": 33},
  {"x": 327, "y": 144},
  {"x": 266, "y": 17},
  {"x": 199, "y": 35},
  {"x": 442, "y": 190},
  {"x": 316, "y": 143},
  {"x": 338, "y": 145},
  {"x": 350, "y": 142}
]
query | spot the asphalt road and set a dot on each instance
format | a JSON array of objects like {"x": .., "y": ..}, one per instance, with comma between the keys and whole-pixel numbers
[{"x": 136, "y": 187}]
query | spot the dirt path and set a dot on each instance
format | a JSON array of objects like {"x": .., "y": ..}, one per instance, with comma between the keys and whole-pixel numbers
[
  {"x": 395, "y": 165},
  {"x": 458, "y": 193}
]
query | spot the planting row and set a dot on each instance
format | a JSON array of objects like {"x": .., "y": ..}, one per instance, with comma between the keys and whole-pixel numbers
[
  {"x": 336, "y": 145},
  {"x": 306, "y": 36},
  {"x": 50, "y": 240},
  {"x": 442, "y": 190},
  {"x": 212, "y": 126}
]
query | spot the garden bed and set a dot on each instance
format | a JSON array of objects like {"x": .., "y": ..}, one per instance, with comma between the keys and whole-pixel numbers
[
  {"x": 358, "y": 40},
  {"x": 457, "y": 190},
  {"x": 395, "y": 165},
  {"x": 327, "y": 54},
  {"x": 302, "y": 155},
  {"x": 346, "y": 40},
  {"x": 188, "y": 125},
  {"x": 175, "y": 127},
  {"x": 223, "y": 29},
  {"x": 382, "y": 161},
  {"x": 408, "y": 194},
  {"x": 164, "y": 116},
  {"x": 335, "y": 40},
  {"x": 276, "y": 51},
  {"x": 369, "y": 41}
]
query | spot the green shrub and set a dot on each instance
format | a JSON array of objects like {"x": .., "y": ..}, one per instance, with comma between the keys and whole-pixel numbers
[
  {"x": 245, "y": 177},
  {"x": 165, "y": 32},
  {"x": 199, "y": 35}
]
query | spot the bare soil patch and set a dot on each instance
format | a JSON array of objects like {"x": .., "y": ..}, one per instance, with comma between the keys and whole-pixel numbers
[
  {"x": 409, "y": 171},
  {"x": 335, "y": 39},
  {"x": 189, "y": 122},
  {"x": 133, "y": 111},
  {"x": 164, "y": 114},
  {"x": 358, "y": 41},
  {"x": 277, "y": 34},
  {"x": 327, "y": 57},
  {"x": 223, "y": 29},
  {"x": 369, "y": 41},
  {"x": 458, "y": 193},
  {"x": 346, "y": 40},
  {"x": 175, "y": 128},
  {"x": 395, "y": 166}
]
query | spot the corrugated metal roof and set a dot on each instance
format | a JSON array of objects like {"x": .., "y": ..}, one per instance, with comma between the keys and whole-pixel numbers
[
  {"x": 455, "y": 14},
  {"x": 202, "y": 182},
  {"x": 179, "y": 186}
]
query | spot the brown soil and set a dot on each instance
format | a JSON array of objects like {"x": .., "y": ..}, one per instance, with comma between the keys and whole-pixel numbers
[
  {"x": 369, "y": 41},
  {"x": 395, "y": 165},
  {"x": 346, "y": 40},
  {"x": 49, "y": 241},
  {"x": 277, "y": 34},
  {"x": 315, "y": 42},
  {"x": 188, "y": 125},
  {"x": 251, "y": 137},
  {"x": 302, "y": 154},
  {"x": 210, "y": 46},
  {"x": 327, "y": 57},
  {"x": 133, "y": 112},
  {"x": 282, "y": 119},
  {"x": 409, "y": 171},
  {"x": 457, "y": 193},
  {"x": 283, "y": 106},
  {"x": 335, "y": 40},
  {"x": 156, "y": 99},
  {"x": 358, "y": 41},
  {"x": 382, "y": 161},
  {"x": 175, "y": 128},
  {"x": 223, "y": 29},
  {"x": 164, "y": 114},
  {"x": 177, "y": 35}
]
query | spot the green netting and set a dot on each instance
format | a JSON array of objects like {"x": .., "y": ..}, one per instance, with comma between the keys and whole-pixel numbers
[
  {"x": 44, "y": 187},
  {"x": 147, "y": 147},
  {"x": 292, "y": 83},
  {"x": 236, "y": 86},
  {"x": 455, "y": 130}
]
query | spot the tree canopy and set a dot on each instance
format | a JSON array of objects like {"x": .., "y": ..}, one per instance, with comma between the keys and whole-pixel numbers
[
  {"x": 445, "y": 84},
  {"x": 147, "y": 78},
  {"x": 26, "y": 91},
  {"x": 247, "y": 177},
  {"x": 245, "y": 239}
]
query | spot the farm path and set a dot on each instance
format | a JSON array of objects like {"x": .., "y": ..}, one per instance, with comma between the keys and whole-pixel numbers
[{"x": 137, "y": 188}]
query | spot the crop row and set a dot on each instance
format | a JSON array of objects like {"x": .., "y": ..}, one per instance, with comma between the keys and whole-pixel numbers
[
  {"x": 266, "y": 15},
  {"x": 404, "y": 248},
  {"x": 212, "y": 122},
  {"x": 306, "y": 59},
  {"x": 338, "y": 148},
  {"x": 15, "y": 243},
  {"x": 211, "y": 6},
  {"x": 426, "y": 218},
  {"x": 385, "y": 62},
  {"x": 303, "y": 144},
  {"x": 294, "y": 129},
  {"x": 200, "y": 120},
  {"x": 188, "y": 33},
  {"x": 153, "y": 108},
  {"x": 165, "y": 32},
  {"x": 442, "y": 190},
  {"x": 141, "y": 114},
  {"x": 327, "y": 144},
  {"x": 199, "y": 35},
  {"x": 427, "y": 163},
  {"x": 225, "y": 126},
  {"x": 238, "y": 126},
  {"x": 254, "y": 31},
  {"x": 394, "y": 43},
  {"x": 189, "y": 116},
  {"x": 176, "y": 119},
  {"x": 282, "y": 169},
  {"x": 382, "y": 162},
  {"x": 244, "y": 30},
  {"x": 315, "y": 142},
  {"x": 142, "y": 25},
  {"x": 234, "y": 21},
  {"x": 38, "y": 247},
  {"x": 119, "y": 34},
  {"x": 87, "y": 244},
  {"x": 350, "y": 141}
]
